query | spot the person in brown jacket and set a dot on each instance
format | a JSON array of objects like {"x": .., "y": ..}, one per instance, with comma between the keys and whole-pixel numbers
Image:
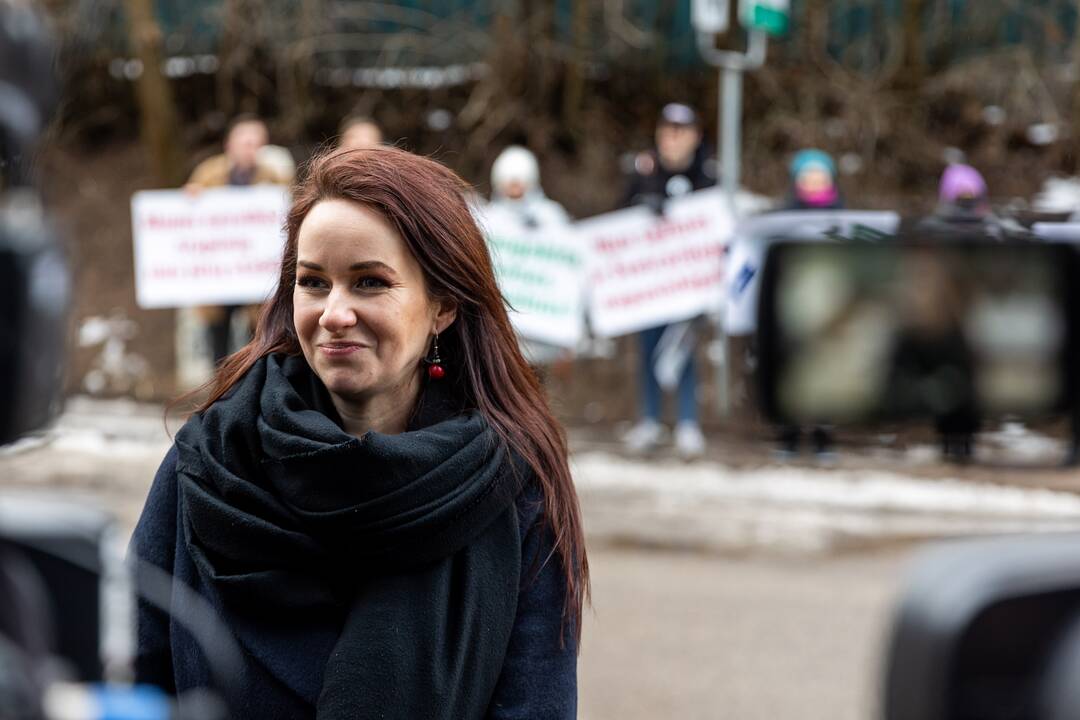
[{"x": 240, "y": 165}]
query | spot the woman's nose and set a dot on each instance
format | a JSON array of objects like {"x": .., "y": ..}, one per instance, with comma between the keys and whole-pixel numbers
[{"x": 338, "y": 314}]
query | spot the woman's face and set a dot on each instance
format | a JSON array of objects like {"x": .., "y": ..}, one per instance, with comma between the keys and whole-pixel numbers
[{"x": 361, "y": 307}]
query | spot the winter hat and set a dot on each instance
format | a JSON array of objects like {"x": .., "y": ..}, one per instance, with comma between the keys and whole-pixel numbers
[
  {"x": 812, "y": 159},
  {"x": 961, "y": 182},
  {"x": 515, "y": 163},
  {"x": 810, "y": 191}
]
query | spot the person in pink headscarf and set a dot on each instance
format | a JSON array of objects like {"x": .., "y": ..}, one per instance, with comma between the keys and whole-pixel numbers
[{"x": 813, "y": 182}]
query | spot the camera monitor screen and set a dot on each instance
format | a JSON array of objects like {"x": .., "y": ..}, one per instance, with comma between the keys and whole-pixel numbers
[{"x": 853, "y": 333}]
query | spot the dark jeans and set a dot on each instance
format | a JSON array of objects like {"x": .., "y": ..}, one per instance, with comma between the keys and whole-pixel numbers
[{"x": 652, "y": 395}]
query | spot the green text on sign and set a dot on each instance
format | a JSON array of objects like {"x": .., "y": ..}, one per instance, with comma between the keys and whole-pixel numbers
[{"x": 536, "y": 250}]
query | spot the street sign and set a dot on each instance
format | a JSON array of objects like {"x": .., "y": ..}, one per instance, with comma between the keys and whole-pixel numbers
[
  {"x": 710, "y": 16},
  {"x": 770, "y": 16}
]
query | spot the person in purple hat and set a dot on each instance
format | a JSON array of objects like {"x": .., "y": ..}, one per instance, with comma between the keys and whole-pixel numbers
[
  {"x": 962, "y": 194},
  {"x": 964, "y": 212}
]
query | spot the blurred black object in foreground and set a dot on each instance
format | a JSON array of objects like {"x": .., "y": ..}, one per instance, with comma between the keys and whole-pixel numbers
[
  {"x": 34, "y": 295},
  {"x": 950, "y": 332},
  {"x": 988, "y": 630},
  {"x": 34, "y": 284}
]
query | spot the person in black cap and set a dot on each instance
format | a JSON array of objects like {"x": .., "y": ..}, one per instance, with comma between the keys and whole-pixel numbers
[{"x": 675, "y": 166}]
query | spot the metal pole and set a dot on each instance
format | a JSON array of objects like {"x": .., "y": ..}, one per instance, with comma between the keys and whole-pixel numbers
[
  {"x": 731, "y": 132},
  {"x": 732, "y": 65},
  {"x": 721, "y": 121},
  {"x": 730, "y": 155}
]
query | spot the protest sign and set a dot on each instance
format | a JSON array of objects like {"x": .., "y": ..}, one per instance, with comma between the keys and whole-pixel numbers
[
  {"x": 541, "y": 271},
  {"x": 1067, "y": 232},
  {"x": 220, "y": 247},
  {"x": 648, "y": 270},
  {"x": 753, "y": 236}
]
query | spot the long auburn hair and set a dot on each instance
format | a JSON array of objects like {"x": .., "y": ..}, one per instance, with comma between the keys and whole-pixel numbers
[{"x": 427, "y": 204}]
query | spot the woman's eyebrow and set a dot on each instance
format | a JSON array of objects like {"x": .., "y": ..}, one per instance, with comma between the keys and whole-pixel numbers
[
  {"x": 366, "y": 265},
  {"x": 371, "y": 265}
]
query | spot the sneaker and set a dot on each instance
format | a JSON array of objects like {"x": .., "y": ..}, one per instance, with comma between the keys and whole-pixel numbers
[
  {"x": 689, "y": 440},
  {"x": 644, "y": 437}
]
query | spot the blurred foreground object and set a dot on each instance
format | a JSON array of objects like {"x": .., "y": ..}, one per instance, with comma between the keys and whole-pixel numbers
[
  {"x": 63, "y": 593},
  {"x": 988, "y": 630},
  {"x": 67, "y": 623},
  {"x": 34, "y": 284},
  {"x": 862, "y": 333}
]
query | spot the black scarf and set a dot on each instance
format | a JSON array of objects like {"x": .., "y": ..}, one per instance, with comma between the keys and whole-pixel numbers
[{"x": 371, "y": 577}]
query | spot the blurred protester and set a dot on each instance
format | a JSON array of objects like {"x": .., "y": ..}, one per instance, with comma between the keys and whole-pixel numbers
[
  {"x": 516, "y": 190},
  {"x": 677, "y": 165},
  {"x": 963, "y": 211},
  {"x": 239, "y": 166},
  {"x": 359, "y": 132},
  {"x": 813, "y": 187},
  {"x": 813, "y": 182}
]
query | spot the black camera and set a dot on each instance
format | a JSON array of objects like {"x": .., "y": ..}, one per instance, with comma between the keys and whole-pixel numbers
[{"x": 34, "y": 283}]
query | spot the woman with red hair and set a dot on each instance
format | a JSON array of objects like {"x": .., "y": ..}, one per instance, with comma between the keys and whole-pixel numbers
[{"x": 375, "y": 497}]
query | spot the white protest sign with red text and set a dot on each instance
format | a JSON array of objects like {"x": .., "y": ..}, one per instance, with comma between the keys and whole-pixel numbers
[
  {"x": 650, "y": 270},
  {"x": 220, "y": 247}
]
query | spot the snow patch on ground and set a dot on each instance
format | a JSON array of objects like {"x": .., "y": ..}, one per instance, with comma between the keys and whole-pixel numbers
[
  {"x": 796, "y": 509},
  {"x": 875, "y": 491}
]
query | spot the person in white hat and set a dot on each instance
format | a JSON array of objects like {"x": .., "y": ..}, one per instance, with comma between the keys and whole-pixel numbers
[{"x": 516, "y": 191}]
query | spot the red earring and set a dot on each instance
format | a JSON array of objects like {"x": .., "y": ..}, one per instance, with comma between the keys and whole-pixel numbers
[{"x": 435, "y": 369}]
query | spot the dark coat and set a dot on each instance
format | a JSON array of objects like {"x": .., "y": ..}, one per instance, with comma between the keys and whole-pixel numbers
[
  {"x": 959, "y": 223},
  {"x": 651, "y": 183},
  {"x": 538, "y": 677}
]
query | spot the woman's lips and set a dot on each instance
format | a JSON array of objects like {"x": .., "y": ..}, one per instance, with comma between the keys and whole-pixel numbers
[{"x": 339, "y": 349}]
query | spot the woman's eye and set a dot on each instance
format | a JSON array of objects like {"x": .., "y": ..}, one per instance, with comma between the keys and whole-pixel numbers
[
  {"x": 371, "y": 283},
  {"x": 310, "y": 282}
]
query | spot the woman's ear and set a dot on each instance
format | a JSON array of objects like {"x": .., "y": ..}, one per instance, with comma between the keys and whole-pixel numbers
[{"x": 445, "y": 314}]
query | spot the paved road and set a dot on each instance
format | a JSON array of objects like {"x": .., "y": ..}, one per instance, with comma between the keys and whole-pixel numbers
[
  {"x": 742, "y": 632},
  {"x": 689, "y": 636}
]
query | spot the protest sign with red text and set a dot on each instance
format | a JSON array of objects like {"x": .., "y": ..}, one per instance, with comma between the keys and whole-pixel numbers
[
  {"x": 649, "y": 270},
  {"x": 220, "y": 247}
]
